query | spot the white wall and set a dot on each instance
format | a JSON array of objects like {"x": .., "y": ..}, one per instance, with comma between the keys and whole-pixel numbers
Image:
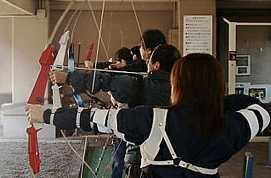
[
  {"x": 119, "y": 28},
  {"x": 22, "y": 40},
  {"x": 30, "y": 37},
  {"x": 5, "y": 55}
]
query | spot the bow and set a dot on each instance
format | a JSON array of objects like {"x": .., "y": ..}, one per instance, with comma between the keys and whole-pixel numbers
[
  {"x": 88, "y": 58},
  {"x": 89, "y": 52},
  {"x": 59, "y": 63},
  {"x": 37, "y": 96},
  {"x": 38, "y": 92},
  {"x": 56, "y": 89},
  {"x": 71, "y": 62}
]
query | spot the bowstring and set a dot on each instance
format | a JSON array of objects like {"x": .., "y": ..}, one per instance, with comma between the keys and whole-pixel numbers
[
  {"x": 77, "y": 154},
  {"x": 74, "y": 25},
  {"x": 70, "y": 20},
  {"x": 138, "y": 23},
  {"x": 96, "y": 59},
  {"x": 97, "y": 27},
  {"x": 98, "y": 46},
  {"x": 59, "y": 22}
]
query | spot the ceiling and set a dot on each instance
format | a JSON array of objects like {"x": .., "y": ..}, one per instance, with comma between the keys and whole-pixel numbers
[
  {"x": 116, "y": 5},
  {"x": 243, "y": 4},
  {"x": 16, "y": 7},
  {"x": 27, "y": 7}
]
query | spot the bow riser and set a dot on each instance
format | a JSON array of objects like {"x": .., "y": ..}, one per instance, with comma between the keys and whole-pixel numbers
[
  {"x": 59, "y": 63},
  {"x": 56, "y": 97},
  {"x": 38, "y": 91},
  {"x": 62, "y": 50}
]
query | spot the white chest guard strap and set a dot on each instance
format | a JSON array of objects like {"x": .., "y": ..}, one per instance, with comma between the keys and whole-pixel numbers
[
  {"x": 78, "y": 115},
  {"x": 149, "y": 150}
]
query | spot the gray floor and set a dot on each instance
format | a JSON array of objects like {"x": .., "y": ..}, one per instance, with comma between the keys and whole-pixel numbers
[
  {"x": 5, "y": 98},
  {"x": 234, "y": 167},
  {"x": 57, "y": 159}
]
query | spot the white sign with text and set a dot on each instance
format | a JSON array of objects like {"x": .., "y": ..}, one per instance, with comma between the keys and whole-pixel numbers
[{"x": 197, "y": 34}]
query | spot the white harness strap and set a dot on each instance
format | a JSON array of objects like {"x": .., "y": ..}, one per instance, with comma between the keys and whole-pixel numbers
[
  {"x": 79, "y": 110},
  {"x": 149, "y": 149},
  {"x": 162, "y": 127},
  {"x": 185, "y": 165},
  {"x": 52, "y": 117}
]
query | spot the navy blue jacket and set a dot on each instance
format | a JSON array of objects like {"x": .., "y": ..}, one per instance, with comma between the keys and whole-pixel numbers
[
  {"x": 153, "y": 89},
  {"x": 210, "y": 152}
]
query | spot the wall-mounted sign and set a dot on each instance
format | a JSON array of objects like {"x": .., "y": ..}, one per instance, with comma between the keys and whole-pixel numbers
[{"x": 197, "y": 34}]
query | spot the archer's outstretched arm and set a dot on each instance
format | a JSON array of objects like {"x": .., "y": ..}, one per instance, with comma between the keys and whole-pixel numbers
[
  {"x": 82, "y": 81},
  {"x": 124, "y": 88},
  {"x": 132, "y": 125}
]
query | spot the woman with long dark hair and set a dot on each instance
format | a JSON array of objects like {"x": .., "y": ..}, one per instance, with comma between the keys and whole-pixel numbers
[{"x": 192, "y": 138}]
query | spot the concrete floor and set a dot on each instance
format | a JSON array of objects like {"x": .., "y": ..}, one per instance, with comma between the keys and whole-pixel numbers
[
  {"x": 234, "y": 167},
  {"x": 57, "y": 159}
]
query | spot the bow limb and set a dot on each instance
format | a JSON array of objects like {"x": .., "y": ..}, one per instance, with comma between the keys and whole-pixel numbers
[
  {"x": 60, "y": 21},
  {"x": 71, "y": 68},
  {"x": 98, "y": 46},
  {"x": 137, "y": 22},
  {"x": 59, "y": 63},
  {"x": 93, "y": 81},
  {"x": 71, "y": 60},
  {"x": 56, "y": 93},
  {"x": 70, "y": 19},
  {"x": 37, "y": 97},
  {"x": 74, "y": 25},
  {"x": 80, "y": 103},
  {"x": 97, "y": 27},
  {"x": 89, "y": 52}
]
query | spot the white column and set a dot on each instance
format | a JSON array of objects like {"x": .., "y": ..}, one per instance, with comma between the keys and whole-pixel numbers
[
  {"x": 29, "y": 36},
  {"x": 5, "y": 56},
  {"x": 232, "y": 62}
]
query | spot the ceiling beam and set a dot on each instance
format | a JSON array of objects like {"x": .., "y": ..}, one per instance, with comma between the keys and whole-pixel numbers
[
  {"x": 17, "y": 8},
  {"x": 116, "y": 5}
]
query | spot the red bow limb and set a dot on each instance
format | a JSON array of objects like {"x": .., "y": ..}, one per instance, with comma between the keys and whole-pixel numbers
[{"x": 37, "y": 97}]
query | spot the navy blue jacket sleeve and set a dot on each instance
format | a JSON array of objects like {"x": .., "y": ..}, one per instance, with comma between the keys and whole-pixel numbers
[
  {"x": 237, "y": 102},
  {"x": 82, "y": 81},
  {"x": 135, "y": 123},
  {"x": 65, "y": 118},
  {"x": 124, "y": 88},
  {"x": 245, "y": 117}
]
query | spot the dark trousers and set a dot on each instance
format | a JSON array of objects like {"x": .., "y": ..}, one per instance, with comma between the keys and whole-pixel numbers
[
  {"x": 118, "y": 159},
  {"x": 133, "y": 171}
]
